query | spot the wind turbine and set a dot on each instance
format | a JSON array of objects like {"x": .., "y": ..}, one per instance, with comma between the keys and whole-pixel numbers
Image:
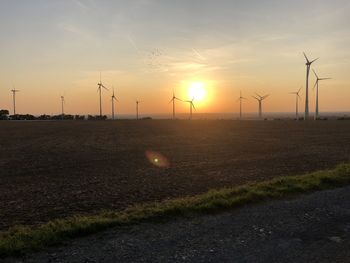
[
  {"x": 191, "y": 106},
  {"x": 240, "y": 104},
  {"x": 173, "y": 101},
  {"x": 260, "y": 99},
  {"x": 62, "y": 106},
  {"x": 316, "y": 85},
  {"x": 99, "y": 89},
  {"x": 137, "y": 109},
  {"x": 308, "y": 65},
  {"x": 297, "y": 98},
  {"x": 14, "y": 99},
  {"x": 113, "y": 99}
]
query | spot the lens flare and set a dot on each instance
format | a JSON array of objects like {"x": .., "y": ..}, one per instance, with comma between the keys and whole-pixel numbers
[{"x": 157, "y": 159}]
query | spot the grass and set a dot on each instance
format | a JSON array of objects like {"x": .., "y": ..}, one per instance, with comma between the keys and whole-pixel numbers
[{"x": 23, "y": 239}]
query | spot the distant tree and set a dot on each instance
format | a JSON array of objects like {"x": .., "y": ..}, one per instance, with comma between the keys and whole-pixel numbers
[{"x": 4, "y": 114}]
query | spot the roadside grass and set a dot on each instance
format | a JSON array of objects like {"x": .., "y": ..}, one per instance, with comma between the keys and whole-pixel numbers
[{"x": 22, "y": 239}]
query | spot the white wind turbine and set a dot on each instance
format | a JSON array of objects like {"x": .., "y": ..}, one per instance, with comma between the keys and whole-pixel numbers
[
  {"x": 260, "y": 100},
  {"x": 316, "y": 85},
  {"x": 297, "y": 98},
  {"x": 308, "y": 65},
  {"x": 137, "y": 109},
  {"x": 99, "y": 89},
  {"x": 62, "y": 106},
  {"x": 114, "y": 98},
  {"x": 173, "y": 101},
  {"x": 191, "y": 107},
  {"x": 14, "y": 91},
  {"x": 240, "y": 104}
]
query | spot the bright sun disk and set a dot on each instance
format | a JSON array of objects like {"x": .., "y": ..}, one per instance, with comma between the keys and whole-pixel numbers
[{"x": 196, "y": 91}]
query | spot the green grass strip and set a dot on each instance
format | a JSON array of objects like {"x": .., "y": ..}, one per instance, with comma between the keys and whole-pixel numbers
[{"x": 23, "y": 239}]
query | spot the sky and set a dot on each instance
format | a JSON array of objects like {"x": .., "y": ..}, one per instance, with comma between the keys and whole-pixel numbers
[{"x": 145, "y": 49}]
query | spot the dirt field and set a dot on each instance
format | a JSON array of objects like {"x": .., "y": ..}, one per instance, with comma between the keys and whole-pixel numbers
[{"x": 55, "y": 169}]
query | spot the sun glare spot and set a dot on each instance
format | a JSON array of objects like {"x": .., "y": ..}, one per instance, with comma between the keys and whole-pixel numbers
[
  {"x": 157, "y": 159},
  {"x": 197, "y": 91}
]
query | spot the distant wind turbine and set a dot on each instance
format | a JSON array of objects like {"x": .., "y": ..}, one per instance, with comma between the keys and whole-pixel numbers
[
  {"x": 191, "y": 107},
  {"x": 316, "y": 85},
  {"x": 113, "y": 99},
  {"x": 260, "y": 99},
  {"x": 137, "y": 109},
  {"x": 62, "y": 106},
  {"x": 240, "y": 104},
  {"x": 173, "y": 101},
  {"x": 99, "y": 89},
  {"x": 14, "y": 91},
  {"x": 308, "y": 65},
  {"x": 297, "y": 98}
]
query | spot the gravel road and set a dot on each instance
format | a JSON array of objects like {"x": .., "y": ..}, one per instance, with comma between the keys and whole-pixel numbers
[{"x": 311, "y": 228}]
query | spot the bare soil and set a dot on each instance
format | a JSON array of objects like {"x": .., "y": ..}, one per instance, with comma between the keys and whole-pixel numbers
[{"x": 56, "y": 169}]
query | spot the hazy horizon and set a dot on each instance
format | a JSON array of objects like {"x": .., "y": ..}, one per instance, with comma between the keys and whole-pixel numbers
[{"x": 147, "y": 48}]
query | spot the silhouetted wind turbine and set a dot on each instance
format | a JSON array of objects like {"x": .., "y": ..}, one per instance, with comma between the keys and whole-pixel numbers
[
  {"x": 308, "y": 65},
  {"x": 240, "y": 104},
  {"x": 260, "y": 99},
  {"x": 316, "y": 85},
  {"x": 173, "y": 101},
  {"x": 137, "y": 109},
  {"x": 62, "y": 106},
  {"x": 297, "y": 98},
  {"x": 191, "y": 107},
  {"x": 14, "y": 99},
  {"x": 99, "y": 89},
  {"x": 113, "y": 99}
]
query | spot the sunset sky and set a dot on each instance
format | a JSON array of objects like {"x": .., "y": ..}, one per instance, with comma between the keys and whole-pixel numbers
[{"x": 147, "y": 48}]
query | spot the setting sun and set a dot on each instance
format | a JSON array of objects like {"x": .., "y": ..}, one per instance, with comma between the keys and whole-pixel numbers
[{"x": 197, "y": 91}]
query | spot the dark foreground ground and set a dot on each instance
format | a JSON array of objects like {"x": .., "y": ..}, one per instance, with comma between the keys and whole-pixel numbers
[
  {"x": 314, "y": 228},
  {"x": 55, "y": 169}
]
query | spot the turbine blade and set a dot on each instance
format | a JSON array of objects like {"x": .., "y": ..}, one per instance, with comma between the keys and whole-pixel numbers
[
  {"x": 306, "y": 57},
  {"x": 265, "y": 96},
  {"x": 315, "y": 73},
  {"x": 313, "y": 61},
  {"x": 325, "y": 78}
]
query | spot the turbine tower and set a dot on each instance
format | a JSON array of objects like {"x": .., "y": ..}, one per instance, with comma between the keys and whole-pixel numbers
[
  {"x": 297, "y": 98},
  {"x": 99, "y": 89},
  {"x": 137, "y": 109},
  {"x": 173, "y": 101},
  {"x": 316, "y": 85},
  {"x": 260, "y": 99},
  {"x": 14, "y": 99},
  {"x": 113, "y": 99},
  {"x": 191, "y": 107},
  {"x": 62, "y": 106},
  {"x": 240, "y": 104},
  {"x": 308, "y": 65}
]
